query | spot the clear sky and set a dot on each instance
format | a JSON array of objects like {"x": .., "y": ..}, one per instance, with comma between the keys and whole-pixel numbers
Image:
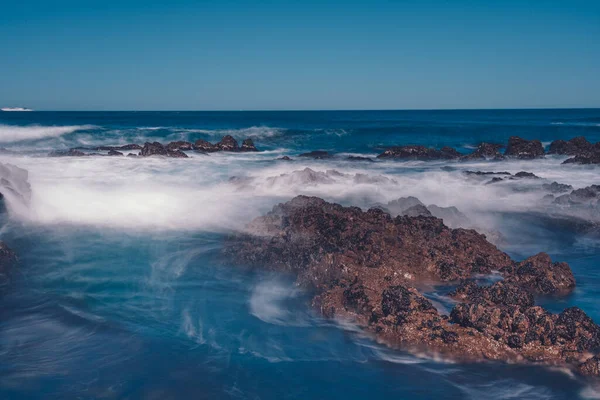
[{"x": 233, "y": 55}]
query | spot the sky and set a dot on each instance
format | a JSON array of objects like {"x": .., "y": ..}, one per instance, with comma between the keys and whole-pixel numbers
[{"x": 299, "y": 55}]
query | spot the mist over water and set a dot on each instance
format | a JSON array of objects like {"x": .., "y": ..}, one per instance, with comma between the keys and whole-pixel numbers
[{"x": 121, "y": 292}]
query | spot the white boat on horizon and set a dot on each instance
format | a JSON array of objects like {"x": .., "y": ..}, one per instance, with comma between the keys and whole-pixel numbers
[{"x": 15, "y": 109}]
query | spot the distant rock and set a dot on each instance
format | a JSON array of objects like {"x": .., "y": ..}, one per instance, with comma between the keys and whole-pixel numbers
[
  {"x": 179, "y": 145},
  {"x": 67, "y": 153},
  {"x": 153, "y": 149},
  {"x": 494, "y": 180},
  {"x": 417, "y": 152},
  {"x": 556, "y": 187},
  {"x": 285, "y": 158},
  {"x": 524, "y": 149},
  {"x": 525, "y": 175},
  {"x": 204, "y": 146},
  {"x": 227, "y": 143},
  {"x": 359, "y": 158},
  {"x": 131, "y": 146},
  {"x": 248, "y": 145},
  {"x": 114, "y": 153}
]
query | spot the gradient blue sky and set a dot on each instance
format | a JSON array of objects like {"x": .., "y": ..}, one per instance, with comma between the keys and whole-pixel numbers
[{"x": 232, "y": 55}]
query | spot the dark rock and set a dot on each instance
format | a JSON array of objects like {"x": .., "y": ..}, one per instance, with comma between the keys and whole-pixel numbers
[
  {"x": 316, "y": 154},
  {"x": 114, "y": 153},
  {"x": 591, "y": 367},
  {"x": 524, "y": 149},
  {"x": 573, "y": 147},
  {"x": 153, "y": 149},
  {"x": 204, "y": 146},
  {"x": 485, "y": 151},
  {"x": 556, "y": 187},
  {"x": 415, "y": 152},
  {"x": 228, "y": 143},
  {"x": 527, "y": 175},
  {"x": 131, "y": 146},
  {"x": 494, "y": 180},
  {"x": 285, "y": 158},
  {"x": 540, "y": 275},
  {"x": 418, "y": 210},
  {"x": 485, "y": 173},
  {"x": 248, "y": 145},
  {"x": 588, "y": 196},
  {"x": 500, "y": 293},
  {"x": 589, "y": 158},
  {"x": 179, "y": 145}
]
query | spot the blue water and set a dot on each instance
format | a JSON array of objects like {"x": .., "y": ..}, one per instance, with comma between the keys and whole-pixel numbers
[{"x": 121, "y": 292}]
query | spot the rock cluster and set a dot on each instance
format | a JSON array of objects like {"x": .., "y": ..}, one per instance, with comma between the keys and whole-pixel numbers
[
  {"x": 365, "y": 265},
  {"x": 173, "y": 149}
]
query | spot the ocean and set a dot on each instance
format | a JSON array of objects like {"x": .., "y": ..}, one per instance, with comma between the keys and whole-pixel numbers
[{"x": 121, "y": 292}]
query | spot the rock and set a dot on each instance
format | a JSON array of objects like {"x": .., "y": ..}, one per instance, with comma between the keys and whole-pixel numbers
[
  {"x": 589, "y": 158},
  {"x": 416, "y": 211},
  {"x": 523, "y": 174},
  {"x": 228, "y": 143},
  {"x": 451, "y": 216},
  {"x": 204, "y": 146},
  {"x": 363, "y": 266},
  {"x": 153, "y": 149},
  {"x": 482, "y": 173},
  {"x": 588, "y": 196},
  {"x": 399, "y": 206},
  {"x": 248, "y": 145},
  {"x": 540, "y": 275},
  {"x": 179, "y": 145},
  {"x": 67, "y": 153},
  {"x": 285, "y": 158},
  {"x": 485, "y": 151},
  {"x": 524, "y": 149},
  {"x": 494, "y": 180},
  {"x": 415, "y": 152},
  {"x": 573, "y": 147},
  {"x": 591, "y": 367},
  {"x": 358, "y": 158},
  {"x": 114, "y": 153},
  {"x": 317, "y": 154},
  {"x": 556, "y": 187}
]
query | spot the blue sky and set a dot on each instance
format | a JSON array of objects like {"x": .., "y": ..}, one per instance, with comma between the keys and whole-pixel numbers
[{"x": 233, "y": 55}]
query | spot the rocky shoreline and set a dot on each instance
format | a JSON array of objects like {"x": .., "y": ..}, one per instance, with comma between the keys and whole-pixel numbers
[{"x": 367, "y": 267}]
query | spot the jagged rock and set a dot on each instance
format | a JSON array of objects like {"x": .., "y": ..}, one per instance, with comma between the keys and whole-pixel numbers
[
  {"x": 589, "y": 196},
  {"x": 485, "y": 151},
  {"x": 524, "y": 149},
  {"x": 204, "y": 146},
  {"x": 494, "y": 180},
  {"x": 176, "y": 154},
  {"x": 66, "y": 153},
  {"x": 589, "y": 158},
  {"x": 317, "y": 154},
  {"x": 416, "y": 211},
  {"x": 540, "y": 275},
  {"x": 114, "y": 153},
  {"x": 416, "y": 152},
  {"x": 556, "y": 187},
  {"x": 153, "y": 149},
  {"x": 248, "y": 145},
  {"x": 523, "y": 174},
  {"x": 572, "y": 147},
  {"x": 399, "y": 206},
  {"x": 361, "y": 266},
  {"x": 228, "y": 143},
  {"x": 591, "y": 367},
  {"x": 179, "y": 145},
  {"x": 451, "y": 216}
]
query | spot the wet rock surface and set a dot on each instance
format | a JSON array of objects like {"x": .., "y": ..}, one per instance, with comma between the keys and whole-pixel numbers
[
  {"x": 317, "y": 154},
  {"x": 524, "y": 149},
  {"x": 573, "y": 147},
  {"x": 486, "y": 151},
  {"x": 365, "y": 266}
]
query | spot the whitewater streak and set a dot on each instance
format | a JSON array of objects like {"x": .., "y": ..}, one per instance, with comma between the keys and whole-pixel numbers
[{"x": 11, "y": 133}]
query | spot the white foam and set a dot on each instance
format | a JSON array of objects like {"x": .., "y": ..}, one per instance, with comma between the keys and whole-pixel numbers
[{"x": 10, "y": 133}]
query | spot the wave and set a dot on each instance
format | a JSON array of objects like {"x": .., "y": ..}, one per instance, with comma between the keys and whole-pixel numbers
[{"x": 11, "y": 133}]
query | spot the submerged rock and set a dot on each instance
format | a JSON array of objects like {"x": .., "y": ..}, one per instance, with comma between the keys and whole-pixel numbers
[
  {"x": 285, "y": 158},
  {"x": 524, "y": 149},
  {"x": 114, "y": 153},
  {"x": 67, "y": 153},
  {"x": 227, "y": 143},
  {"x": 359, "y": 158}
]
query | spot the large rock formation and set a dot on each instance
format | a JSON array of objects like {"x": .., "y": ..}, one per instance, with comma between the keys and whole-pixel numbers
[
  {"x": 572, "y": 147},
  {"x": 364, "y": 266},
  {"x": 415, "y": 152},
  {"x": 157, "y": 149},
  {"x": 524, "y": 149}
]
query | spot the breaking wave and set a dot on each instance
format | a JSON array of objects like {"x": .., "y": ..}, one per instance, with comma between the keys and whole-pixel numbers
[{"x": 10, "y": 133}]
